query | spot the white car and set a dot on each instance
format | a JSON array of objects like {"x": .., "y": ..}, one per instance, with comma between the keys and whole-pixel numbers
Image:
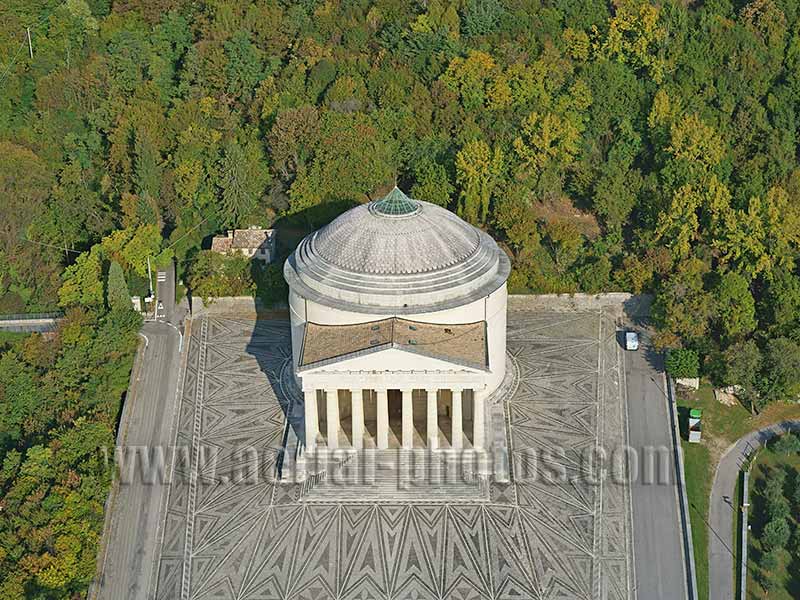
[{"x": 631, "y": 340}]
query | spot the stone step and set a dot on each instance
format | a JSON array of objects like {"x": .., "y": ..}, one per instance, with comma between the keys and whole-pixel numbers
[{"x": 397, "y": 475}]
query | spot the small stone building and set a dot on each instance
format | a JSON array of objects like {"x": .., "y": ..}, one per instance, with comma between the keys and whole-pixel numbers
[{"x": 253, "y": 242}]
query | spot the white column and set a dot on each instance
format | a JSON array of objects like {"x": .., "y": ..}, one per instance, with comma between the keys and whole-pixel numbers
[
  {"x": 408, "y": 420},
  {"x": 332, "y": 407},
  {"x": 382, "y": 407},
  {"x": 312, "y": 420},
  {"x": 433, "y": 419},
  {"x": 357, "y": 400},
  {"x": 478, "y": 439},
  {"x": 457, "y": 426}
]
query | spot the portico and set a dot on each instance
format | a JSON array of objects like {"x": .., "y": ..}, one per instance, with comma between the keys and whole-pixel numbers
[{"x": 408, "y": 418}]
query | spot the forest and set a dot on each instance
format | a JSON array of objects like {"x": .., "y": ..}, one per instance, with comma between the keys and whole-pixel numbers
[{"x": 608, "y": 146}]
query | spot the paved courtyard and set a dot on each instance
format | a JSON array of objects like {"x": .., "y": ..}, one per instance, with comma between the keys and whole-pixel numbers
[{"x": 558, "y": 530}]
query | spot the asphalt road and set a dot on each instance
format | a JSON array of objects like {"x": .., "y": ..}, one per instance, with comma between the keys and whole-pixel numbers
[
  {"x": 658, "y": 549},
  {"x": 165, "y": 294},
  {"x": 721, "y": 551},
  {"x": 131, "y": 544}
]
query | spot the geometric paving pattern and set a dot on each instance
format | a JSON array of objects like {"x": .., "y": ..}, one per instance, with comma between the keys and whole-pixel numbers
[{"x": 558, "y": 530}]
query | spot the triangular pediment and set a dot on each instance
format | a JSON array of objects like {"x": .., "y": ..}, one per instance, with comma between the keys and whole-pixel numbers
[{"x": 389, "y": 358}]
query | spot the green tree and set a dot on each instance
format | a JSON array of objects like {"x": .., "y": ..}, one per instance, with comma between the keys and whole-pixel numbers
[
  {"x": 243, "y": 180},
  {"x": 736, "y": 309},
  {"x": 742, "y": 368},
  {"x": 432, "y": 183},
  {"x": 682, "y": 306},
  {"x": 245, "y": 66},
  {"x": 564, "y": 241},
  {"x": 781, "y": 380},
  {"x": 776, "y": 534},
  {"x": 352, "y": 157},
  {"x": 781, "y": 301},
  {"x": 515, "y": 218},
  {"x": 118, "y": 296},
  {"x": 788, "y": 443},
  {"x": 546, "y": 140},
  {"x": 213, "y": 275}
]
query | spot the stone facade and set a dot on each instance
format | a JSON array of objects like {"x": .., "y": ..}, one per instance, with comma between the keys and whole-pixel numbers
[{"x": 440, "y": 285}]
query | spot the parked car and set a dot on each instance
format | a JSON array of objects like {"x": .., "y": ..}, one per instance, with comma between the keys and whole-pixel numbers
[{"x": 631, "y": 340}]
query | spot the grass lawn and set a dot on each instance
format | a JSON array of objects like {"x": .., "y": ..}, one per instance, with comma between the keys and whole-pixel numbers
[
  {"x": 722, "y": 426},
  {"x": 698, "y": 488},
  {"x": 786, "y": 576}
]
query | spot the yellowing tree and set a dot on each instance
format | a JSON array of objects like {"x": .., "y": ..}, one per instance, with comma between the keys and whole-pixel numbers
[
  {"x": 761, "y": 238},
  {"x": 546, "y": 138},
  {"x": 471, "y": 77},
  {"x": 83, "y": 281},
  {"x": 636, "y": 38},
  {"x": 677, "y": 226},
  {"x": 478, "y": 168}
]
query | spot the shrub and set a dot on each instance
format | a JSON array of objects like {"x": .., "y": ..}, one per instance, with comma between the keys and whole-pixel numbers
[
  {"x": 769, "y": 560},
  {"x": 683, "y": 363},
  {"x": 787, "y": 444},
  {"x": 776, "y": 534}
]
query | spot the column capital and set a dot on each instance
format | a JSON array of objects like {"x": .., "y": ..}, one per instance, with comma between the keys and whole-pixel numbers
[
  {"x": 457, "y": 390},
  {"x": 432, "y": 390}
]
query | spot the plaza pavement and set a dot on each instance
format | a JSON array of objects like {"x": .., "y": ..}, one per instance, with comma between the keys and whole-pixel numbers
[{"x": 540, "y": 536}]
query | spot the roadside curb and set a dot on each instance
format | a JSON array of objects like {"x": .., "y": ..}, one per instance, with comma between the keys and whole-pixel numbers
[
  {"x": 113, "y": 492},
  {"x": 686, "y": 525},
  {"x": 183, "y": 356}
]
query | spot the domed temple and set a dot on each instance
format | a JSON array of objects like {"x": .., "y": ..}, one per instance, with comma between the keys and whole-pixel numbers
[{"x": 398, "y": 317}]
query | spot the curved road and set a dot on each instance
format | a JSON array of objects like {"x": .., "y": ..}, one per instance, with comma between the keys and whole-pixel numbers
[{"x": 721, "y": 551}]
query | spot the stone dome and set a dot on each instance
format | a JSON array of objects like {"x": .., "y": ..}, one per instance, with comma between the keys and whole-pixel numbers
[{"x": 397, "y": 253}]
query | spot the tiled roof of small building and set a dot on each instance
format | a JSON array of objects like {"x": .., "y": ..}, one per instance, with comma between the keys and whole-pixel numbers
[
  {"x": 221, "y": 244},
  {"x": 250, "y": 238},
  {"x": 241, "y": 239}
]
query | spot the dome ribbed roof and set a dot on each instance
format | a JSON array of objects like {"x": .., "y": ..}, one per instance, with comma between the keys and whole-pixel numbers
[
  {"x": 396, "y": 252},
  {"x": 411, "y": 238}
]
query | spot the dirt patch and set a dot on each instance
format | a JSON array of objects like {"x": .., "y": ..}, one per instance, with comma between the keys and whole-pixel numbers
[
  {"x": 561, "y": 208},
  {"x": 725, "y": 396}
]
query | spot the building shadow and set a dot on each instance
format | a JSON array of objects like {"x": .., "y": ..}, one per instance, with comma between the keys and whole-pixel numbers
[
  {"x": 270, "y": 346},
  {"x": 637, "y": 309},
  {"x": 683, "y": 421},
  {"x": 653, "y": 357}
]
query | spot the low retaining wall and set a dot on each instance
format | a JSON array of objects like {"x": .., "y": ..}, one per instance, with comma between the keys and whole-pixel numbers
[
  {"x": 632, "y": 305},
  {"x": 245, "y": 307}
]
